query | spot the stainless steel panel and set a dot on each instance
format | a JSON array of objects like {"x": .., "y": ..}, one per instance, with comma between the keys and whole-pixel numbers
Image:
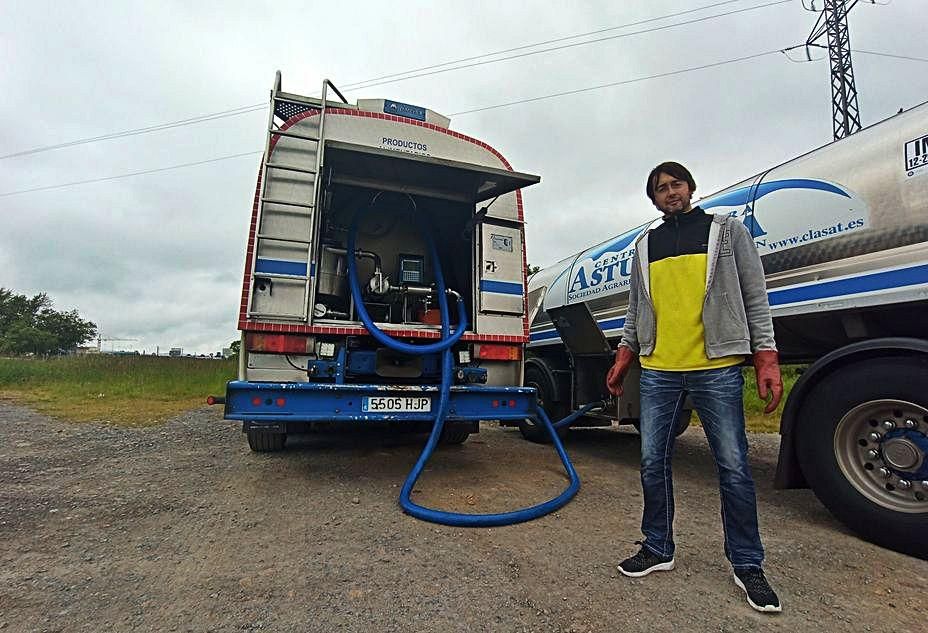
[
  {"x": 278, "y": 296},
  {"x": 276, "y": 361},
  {"x": 501, "y": 281},
  {"x": 275, "y": 375},
  {"x": 333, "y": 276}
]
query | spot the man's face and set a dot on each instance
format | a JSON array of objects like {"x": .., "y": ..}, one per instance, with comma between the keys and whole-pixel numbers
[{"x": 672, "y": 195}]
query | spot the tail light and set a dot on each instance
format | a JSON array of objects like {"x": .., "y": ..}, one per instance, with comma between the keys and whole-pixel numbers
[
  {"x": 487, "y": 351},
  {"x": 279, "y": 343}
]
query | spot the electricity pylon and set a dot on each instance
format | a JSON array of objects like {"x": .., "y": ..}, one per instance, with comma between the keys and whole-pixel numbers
[{"x": 832, "y": 21}]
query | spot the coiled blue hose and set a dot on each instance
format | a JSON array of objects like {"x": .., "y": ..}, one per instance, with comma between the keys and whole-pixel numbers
[
  {"x": 447, "y": 366},
  {"x": 376, "y": 332}
]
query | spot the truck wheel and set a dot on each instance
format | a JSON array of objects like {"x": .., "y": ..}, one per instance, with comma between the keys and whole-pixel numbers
[
  {"x": 453, "y": 437},
  {"x": 863, "y": 447},
  {"x": 264, "y": 442},
  {"x": 534, "y": 377}
]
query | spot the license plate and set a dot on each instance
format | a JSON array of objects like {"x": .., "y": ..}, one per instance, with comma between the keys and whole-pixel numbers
[{"x": 393, "y": 403}]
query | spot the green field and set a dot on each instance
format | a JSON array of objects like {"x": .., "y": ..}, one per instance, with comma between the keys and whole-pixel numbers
[
  {"x": 757, "y": 421},
  {"x": 146, "y": 390},
  {"x": 124, "y": 390}
]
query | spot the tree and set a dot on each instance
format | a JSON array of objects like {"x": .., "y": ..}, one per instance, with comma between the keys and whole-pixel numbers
[
  {"x": 69, "y": 328},
  {"x": 235, "y": 347},
  {"x": 15, "y": 308},
  {"x": 22, "y": 338},
  {"x": 31, "y": 325}
]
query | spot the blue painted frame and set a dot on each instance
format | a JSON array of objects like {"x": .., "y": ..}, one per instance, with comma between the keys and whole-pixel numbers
[{"x": 328, "y": 402}]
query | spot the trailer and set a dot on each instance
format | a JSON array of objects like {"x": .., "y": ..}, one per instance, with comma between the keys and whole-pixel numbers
[
  {"x": 843, "y": 236},
  {"x": 369, "y": 216}
]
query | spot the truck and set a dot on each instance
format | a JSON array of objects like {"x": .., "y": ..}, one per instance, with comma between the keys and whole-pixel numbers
[
  {"x": 366, "y": 218},
  {"x": 842, "y": 232}
]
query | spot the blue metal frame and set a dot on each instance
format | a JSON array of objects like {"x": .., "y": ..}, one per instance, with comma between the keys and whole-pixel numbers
[{"x": 327, "y": 402}]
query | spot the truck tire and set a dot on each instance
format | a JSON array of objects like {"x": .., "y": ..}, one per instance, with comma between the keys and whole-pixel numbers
[
  {"x": 265, "y": 442},
  {"x": 862, "y": 440},
  {"x": 448, "y": 438},
  {"x": 536, "y": 378}
]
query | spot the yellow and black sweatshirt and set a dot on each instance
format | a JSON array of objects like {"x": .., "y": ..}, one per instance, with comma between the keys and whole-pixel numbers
[{"x": 677, "y": 258}]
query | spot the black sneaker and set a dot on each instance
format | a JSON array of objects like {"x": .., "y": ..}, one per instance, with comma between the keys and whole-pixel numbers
[
  {"x": 755, "y": 586},
  {"x": 644, "y": 562}
]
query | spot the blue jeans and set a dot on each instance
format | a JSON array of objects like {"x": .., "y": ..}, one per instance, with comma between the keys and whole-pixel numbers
[{"x": 717, "y": 397}]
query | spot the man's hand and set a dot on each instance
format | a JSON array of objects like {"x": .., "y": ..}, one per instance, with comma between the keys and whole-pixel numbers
[
  {"x": 767, "y": 370},
  {"x": 616, "y": 376}
]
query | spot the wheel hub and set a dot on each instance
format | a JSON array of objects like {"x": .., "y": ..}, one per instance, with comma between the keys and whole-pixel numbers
[{"x": 902, "y": 454}]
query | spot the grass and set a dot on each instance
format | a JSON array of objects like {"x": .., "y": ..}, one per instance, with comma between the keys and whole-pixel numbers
[
  {"x": 122, "y": 390},
  {"x": 146, "y": 390},
  {"x": 755, "y": 419}
]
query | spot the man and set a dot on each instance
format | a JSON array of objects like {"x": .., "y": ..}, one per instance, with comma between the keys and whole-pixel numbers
[{"x": 697, "y": 307}]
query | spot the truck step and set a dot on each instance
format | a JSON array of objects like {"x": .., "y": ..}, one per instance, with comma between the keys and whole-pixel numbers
[{"x": 301, "y": 170}]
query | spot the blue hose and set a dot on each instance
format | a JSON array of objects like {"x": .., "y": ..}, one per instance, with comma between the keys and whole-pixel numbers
[
  {"x": 376, "y": 332},
  {"x": 447, "y": 366}
]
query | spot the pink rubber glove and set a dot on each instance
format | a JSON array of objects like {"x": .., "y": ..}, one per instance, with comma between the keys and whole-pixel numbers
[
  {"x": 767, "y": 370},
  {"x": 616, "y": 376}
]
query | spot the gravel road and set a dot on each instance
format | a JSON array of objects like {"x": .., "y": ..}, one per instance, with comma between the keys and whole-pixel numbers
[{"x": 180, "y": 527}]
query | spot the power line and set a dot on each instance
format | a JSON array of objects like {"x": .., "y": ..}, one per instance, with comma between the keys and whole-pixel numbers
[
  {"x": 575, "y": 44},
  {"x": 619, "y": 83},
  {"x": 359, "y": 84},
  {"x": 502, "y": 105},
  {"x": 407, "y": 74},
  {"x": 914, "y": 59},
  {"x": 853, "y": 50},
  {"x": 472, "y": 111},
  {"x": 135, "y": 173},
  {"x": 143, "y": 130}
]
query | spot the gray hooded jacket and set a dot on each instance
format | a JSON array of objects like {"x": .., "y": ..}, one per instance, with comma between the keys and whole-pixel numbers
[{"x": 735, "y": 314}]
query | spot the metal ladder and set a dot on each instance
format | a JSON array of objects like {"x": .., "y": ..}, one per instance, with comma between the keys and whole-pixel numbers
[{"x": 284, "y": 106}]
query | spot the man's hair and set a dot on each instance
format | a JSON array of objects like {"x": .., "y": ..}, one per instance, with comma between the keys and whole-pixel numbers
[{"x": 670, "y": 168}]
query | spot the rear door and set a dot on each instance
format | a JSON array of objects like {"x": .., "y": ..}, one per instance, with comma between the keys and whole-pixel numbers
[{"x": 501, "y": 286}]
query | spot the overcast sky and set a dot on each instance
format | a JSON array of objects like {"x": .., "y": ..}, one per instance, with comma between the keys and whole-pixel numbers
[{"x": 159, "y": 257}]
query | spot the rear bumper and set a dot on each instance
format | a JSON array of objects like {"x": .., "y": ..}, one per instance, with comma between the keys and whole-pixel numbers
[{"x": 267, "y": 403}]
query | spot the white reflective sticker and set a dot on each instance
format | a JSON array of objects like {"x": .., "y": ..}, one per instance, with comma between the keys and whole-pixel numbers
[{"x": 396, "y": 403}]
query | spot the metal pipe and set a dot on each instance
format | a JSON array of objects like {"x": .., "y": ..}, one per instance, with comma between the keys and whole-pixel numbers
[
  {"x": 357, "y": 253},
  {"x": 422, "y": 291}
]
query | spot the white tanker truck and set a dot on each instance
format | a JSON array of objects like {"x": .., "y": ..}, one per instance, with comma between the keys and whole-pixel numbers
[
  {"x": 366, "y": 218},
  {"x": 843, "y": 236}
]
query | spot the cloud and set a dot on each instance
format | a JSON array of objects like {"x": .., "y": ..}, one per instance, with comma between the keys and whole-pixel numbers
[{"x": 159, "y": 257}]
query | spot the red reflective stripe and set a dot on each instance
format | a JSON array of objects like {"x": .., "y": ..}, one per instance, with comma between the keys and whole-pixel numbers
[
  {"x": 490, "y": 351},
  {"x": 279, "y": 343}
]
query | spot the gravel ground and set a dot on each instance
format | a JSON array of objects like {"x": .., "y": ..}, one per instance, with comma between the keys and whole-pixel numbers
[{"x": 181, "y": 528}]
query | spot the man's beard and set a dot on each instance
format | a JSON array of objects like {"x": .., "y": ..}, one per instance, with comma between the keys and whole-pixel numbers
[{"x": 675, "y": 207}]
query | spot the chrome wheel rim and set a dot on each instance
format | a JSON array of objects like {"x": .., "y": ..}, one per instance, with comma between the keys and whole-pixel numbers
[{"x": 881, "y": 453}]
